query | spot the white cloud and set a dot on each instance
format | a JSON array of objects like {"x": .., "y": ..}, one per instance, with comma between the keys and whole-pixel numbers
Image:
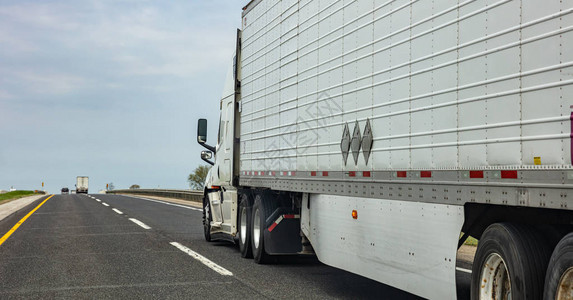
[
  {"x": 112, "y": 69},
  {"x": 50, "y": 83},
  {"x": 4, "y": 95},
  {"x": 51, "y": 15},
  {"x": 141, "y": 41}
]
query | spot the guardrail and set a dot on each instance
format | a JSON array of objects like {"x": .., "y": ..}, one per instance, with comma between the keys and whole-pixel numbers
[{"x": 196, "y": 196}]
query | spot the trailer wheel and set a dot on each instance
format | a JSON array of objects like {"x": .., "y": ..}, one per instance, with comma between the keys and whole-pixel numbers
[
  {"x": 245, "y": 224},
  {"x": 510, "y": 263},
  {"x": 559, "y": 278},
  {"x": 257, "y": 234},
  {"x": 206, "y": 219}
]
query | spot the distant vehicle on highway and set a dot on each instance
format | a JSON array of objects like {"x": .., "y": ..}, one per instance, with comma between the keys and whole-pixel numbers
[
  {"x": 65, "y": 191},
  {"x": 82, "y": 185}
]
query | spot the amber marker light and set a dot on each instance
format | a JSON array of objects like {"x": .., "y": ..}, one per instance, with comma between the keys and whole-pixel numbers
[{"x": 354, "y": 214}]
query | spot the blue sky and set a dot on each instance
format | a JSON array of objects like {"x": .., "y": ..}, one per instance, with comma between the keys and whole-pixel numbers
[{"x": 109, "y": 89}]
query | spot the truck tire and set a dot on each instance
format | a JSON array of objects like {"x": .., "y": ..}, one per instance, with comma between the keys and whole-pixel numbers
[
  {"x": 559, "y": 277},
  {"x": 257, "y": 233},
  {"x": 510, "y": 262},
  {"x": 206, "y": 219},
  {"x": 245, "y": 223}
]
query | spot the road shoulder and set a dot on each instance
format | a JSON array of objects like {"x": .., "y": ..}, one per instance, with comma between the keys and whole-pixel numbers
[{"x": 10, "y": 207}]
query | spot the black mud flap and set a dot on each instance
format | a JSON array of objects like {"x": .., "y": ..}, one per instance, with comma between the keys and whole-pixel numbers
[{"x": 282, "y": 235}]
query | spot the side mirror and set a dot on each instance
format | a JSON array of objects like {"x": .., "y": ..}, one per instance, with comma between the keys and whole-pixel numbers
[
  {"x": 202, "y": 131},
  {"x": 206, "y": 156},
  {"x": 202, "y": 135}
]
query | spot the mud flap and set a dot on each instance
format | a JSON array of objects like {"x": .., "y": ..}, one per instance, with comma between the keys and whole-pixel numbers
[{"x": 282, "y": 233}]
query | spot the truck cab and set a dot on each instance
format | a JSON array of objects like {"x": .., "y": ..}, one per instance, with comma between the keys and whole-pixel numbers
[{"x": 220, "y": 188}]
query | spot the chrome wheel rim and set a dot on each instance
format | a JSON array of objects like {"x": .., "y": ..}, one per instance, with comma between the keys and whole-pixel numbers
[
  {"x": 565, "y": 287},
  {"x": 494, "y": 279},
  {"x": 244, "y": 225},
  {"x": 256, "y": 228}
]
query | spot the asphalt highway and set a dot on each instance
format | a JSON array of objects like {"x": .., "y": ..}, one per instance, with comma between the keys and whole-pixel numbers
[{"x": 77, "y": 247}]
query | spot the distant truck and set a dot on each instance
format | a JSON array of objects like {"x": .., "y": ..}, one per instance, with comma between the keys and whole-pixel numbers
[
  {"x": 377, "y": 133},
  {"x": 82, "y": 185}
]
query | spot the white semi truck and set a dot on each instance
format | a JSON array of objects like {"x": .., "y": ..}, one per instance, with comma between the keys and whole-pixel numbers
[
  {"x": 82, "y": 184},
  {"x": 377, "y": 133}
]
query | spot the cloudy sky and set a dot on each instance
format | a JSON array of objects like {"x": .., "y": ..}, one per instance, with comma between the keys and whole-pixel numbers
[{"x": 109, "y": 89}]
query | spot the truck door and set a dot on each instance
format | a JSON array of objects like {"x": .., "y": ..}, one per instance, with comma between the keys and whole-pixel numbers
[{"x": 221, "y": 202}]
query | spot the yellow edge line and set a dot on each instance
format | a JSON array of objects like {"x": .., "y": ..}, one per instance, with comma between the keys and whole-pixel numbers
[{"x": 9, "y": 233}]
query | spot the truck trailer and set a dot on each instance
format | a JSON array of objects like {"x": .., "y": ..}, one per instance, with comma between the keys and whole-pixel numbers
[
  {"x": 379, "y": 135},
  {"x": 82, "y": 184}
]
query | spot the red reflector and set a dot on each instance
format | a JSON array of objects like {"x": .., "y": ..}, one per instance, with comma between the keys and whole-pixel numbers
[
  {"x": 354, "y": 214},
  {"x": 476, "y": 174},
  {"x": 366, "y": 174},
  {"x": 272, "y": 227},
  {"x": 509, "y": 174},
  {"x": 274, "y": 173},
  {"x": 401, "y": 174},
  {"x": 313, "y": 173},
  {"x": 426, "y": 174},
  {"x": 352, "y": 174},
  {"x": 324, "y": 173},
  {"x": 289, "y": 216},
  {"x": 262, "y": 173},
  {"x": 285, "y": 173},
  {"x": 293, "y": 173}
]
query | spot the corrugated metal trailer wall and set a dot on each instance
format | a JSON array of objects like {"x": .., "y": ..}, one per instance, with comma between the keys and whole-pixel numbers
[{"x": 443, "y": 84}]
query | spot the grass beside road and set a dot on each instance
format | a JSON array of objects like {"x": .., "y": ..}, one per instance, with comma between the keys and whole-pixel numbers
[
  {"x": 15, "y": 195},
  {"x": 471, "y": 241}
]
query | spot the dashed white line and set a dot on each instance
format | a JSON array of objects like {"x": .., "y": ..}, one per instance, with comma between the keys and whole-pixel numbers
[
  {"x": 117, "y": 211},
  {"x": 464, "y": 270},
  {"x": 139, "y": 223},
  {"x": 98, "y": 200},
  {"x": 166, "y": 203},
  {"x": 213, "y": 266},
  {"x": 105, "y": 204}
]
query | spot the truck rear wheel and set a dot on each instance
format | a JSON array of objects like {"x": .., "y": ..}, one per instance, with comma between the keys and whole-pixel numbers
[
  {"x": 245, "y": 224},
  {"x": 510, "y": 263},
  {"x": 559, "y": 278},
  {"x": 206, "y": 219},
  {"x": 257, "y": 234}
]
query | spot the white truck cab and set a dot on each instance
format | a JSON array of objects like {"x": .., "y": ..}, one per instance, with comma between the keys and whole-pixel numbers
[{"x": 220, "y": 184}]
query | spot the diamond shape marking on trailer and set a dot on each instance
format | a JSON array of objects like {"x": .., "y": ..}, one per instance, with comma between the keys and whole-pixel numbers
[
  {"x": 355, "y": 142},
  {"x": 367, "y": 141},
  {"x": 345, "y": 143}
]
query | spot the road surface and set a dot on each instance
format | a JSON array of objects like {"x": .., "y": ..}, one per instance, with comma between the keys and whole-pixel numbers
[{"x": 112, "y": 246}]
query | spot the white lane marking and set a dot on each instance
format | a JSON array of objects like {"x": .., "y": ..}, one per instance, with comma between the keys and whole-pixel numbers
[
  {"x": 139, "y": 223},
  {"x": 117, "y": 211},
  {"x": 215, "y": 267},
  {"x": 105, "y": 204},
  {"x": 464, "y": 270},
  {"x": 166, "y": 203},
  {"x": 98, "y": 200}
]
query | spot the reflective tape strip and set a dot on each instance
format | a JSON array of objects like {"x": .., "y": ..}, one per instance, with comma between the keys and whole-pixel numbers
[
  {"x": 426, "y": 174},
  {"x": 280, "y": 218},
  {"x": 509, "y": 174}
]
